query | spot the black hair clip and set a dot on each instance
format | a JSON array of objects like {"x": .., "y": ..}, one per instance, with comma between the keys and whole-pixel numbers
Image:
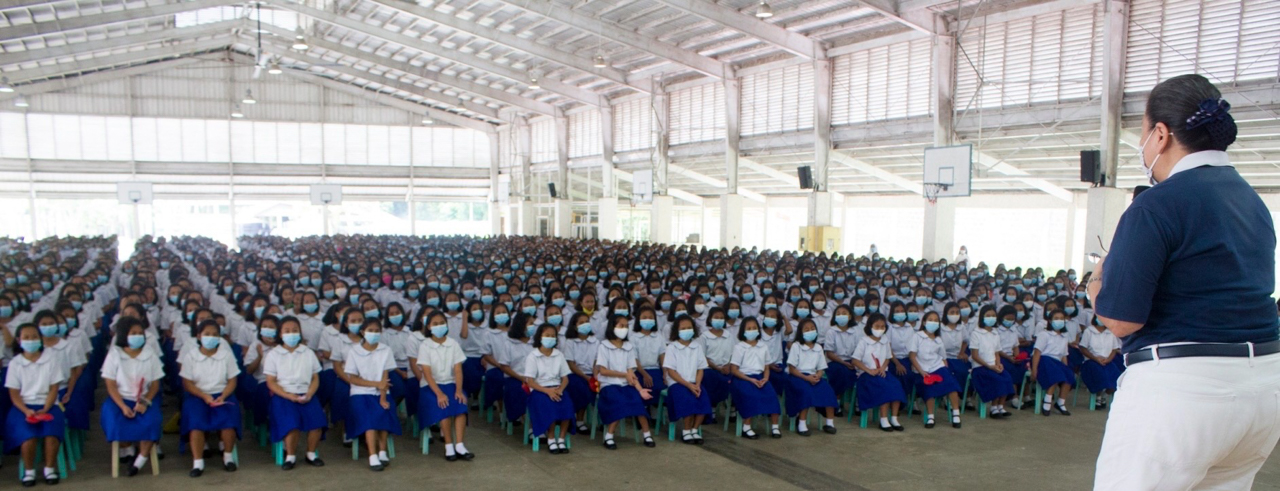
[{"x": 1211, "y": 110}]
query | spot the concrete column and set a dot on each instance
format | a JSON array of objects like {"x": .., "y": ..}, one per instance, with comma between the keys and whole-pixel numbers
[
  {"x": 1073, "y": 254},
  {"x": 822, "y": 83},
  {"x": 1115, "y": 35},
  {"x": 940, "y": 218},
  {"x": 731, "y": 221},
  {"x": 607, "y": 218},
  {"x": 528, "y": 218},
  {"x": 495, "y": 160},
  {"x": 524, "y": 152},
  {"x": 733, "y": 132},
  {"x": 1105, "y": 207},
  {"x": 608, "y": 183},
  {"x": 820, "y": 203},
  {"x": 660, "y": 217},
  {"x": 662, "y": 122},
  {"x": 563, "y": 226},
  {"x": 562, "y": 157}
]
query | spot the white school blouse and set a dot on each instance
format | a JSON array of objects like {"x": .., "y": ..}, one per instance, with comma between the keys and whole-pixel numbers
[
  {"x": 873, "y": 353},
  {"x": 440, "y": 358},
  {"x": 987, "y": 344},
  {"x": 1052, "y": 344},
  {"x": 648, "y": 348},
  {"x": 33, "y": 379},
  {"x": 292, "y": 369},
  {"x": 807, "y": 359},
  {"x": 1100, "y": 343},
  {"x": 719, "y": 348},
  {"x": 68, "y": 356},
  {"x": 843, "y": 342},
  {"x": 368, "y": 365},
  {"x": 751, "y": 360},
  {"x": 582, "y": 352},
  {"x": 513, "y": 353},
  {"x": 251, "y": 355},
  {"x": 953, "y": 339},
  {"x": 684, "y": 360},
  {"x": 545, "y": 370},
  {"x": 131, "y": 374},
  {"x": 210, "y": 373},
  {"x": 900, "y": 339},
  {"x": 618, "y": 359},
  {"x": 930, "y": 353}
]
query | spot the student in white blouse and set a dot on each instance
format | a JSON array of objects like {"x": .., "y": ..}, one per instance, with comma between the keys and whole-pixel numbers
[
  {"x": 441, "y": 398},
  {"x": 933, "y": 380},
  {"x": 685, "y": 364},
  {"x": 547, "y": 374},
  {"x": 1103, "y": 364},
  {"x": 32, "y": 379},
  {"x": 209, "y": 376},
  {"x": 372, "y": 416},
  {"x": 132, "y": 376},
  {"x": 292, "y": 373},
  {"x": 806, "y": 387}
]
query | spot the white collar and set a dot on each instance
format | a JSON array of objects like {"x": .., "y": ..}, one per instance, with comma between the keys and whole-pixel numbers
[{"x": 1215, "y": 158}]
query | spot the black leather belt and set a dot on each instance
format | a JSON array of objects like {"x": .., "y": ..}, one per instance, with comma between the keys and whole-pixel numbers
[{"x": 1202, "y": 350}]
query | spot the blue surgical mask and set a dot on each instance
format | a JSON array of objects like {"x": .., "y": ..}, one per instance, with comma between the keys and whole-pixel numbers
[
  {"x": 922, "y": 300},
  {"x": 842, "y": 320},
  {"x": 555, "y": 319},
  {"x": 584, "y": 328},
  {"x": 899, "y": 317},
  {"x": 371, "y": 314},
  {"x": 859, "y": 310},
  {"x": 810, "y": 336},
  {"x": 751, "y": 335},
  {"x": 310, "y": 308},
  {"x": 453, "y": 305},
  {"x": 30, "y": 345},
  {"x": 291, "y": 339},
  {"x": 477, "y": 315},
  {"x": 965, "y": 311},
  {"x": 717, "y": 323},
  {"x": 913, "y": 316},
  {"x": 770, "y": 322},
  {"x": 665, "y": 304},
  {"x": 647, "y": 324},
  {"x": 802, "y": 313},
  {"x": 1058, "y": 324},
  {"x": 49, "y": 330},
  {"x": 433, "y": 301},
  {"x": 734, "y": 313},
  {"x": 686, "y": 334},
  {"x": 748, "y": 297},
  {"x": 622, "y": 312},
  {"x": 931, "y": 326},
  {"x": 549, "y": 342},
  {"x": 268, "y": 333},
  {"x": 989, "y": 321},
  {"x": 502, "y": 319},
  {"x": 395, "y": 319},
  {"x": 136, "y": 341},
  {"x": 440, "y": 331},
  {"x": 558, "y": 302},
  {"x": 531, "y": 310},
  {"x": 1007, "y": 323},
  {"x": 210, "y": 342}
]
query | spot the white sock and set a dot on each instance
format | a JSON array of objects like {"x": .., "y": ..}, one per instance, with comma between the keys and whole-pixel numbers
[
  {"x": 383, "y": 455},
  {"x": 955, "y": 412},
  {"x": 686, "y": 432},
  {"x": 31, "y": 473},
  {"x": 140, "y": 461},
  {"x": 1062, "y": 402},
  {"x": 312, "y": 456},
  {"x": 448, "y": 450},
  {"x": 127, "y": 452},
  {"x": 561, "y": 442},
  {"x": 50, "y": 472},
  {"x": 830, "y": 422},
  {"x": 608, "y": 436},
  {"x": 774, "y": 427},
  {"x": 197, "y": 464},
  {"x": 460, "y": 448},
  {"x": 802, "y": 426},
  {"x": 647, "y": 435},
  {"x": 1048, "y": 398},
  {"x": 228, "y": 457},
  {"x": 884, "y": 422},
  {"x": 373, "y": 461},
  {"x": 894, "y": 420}
]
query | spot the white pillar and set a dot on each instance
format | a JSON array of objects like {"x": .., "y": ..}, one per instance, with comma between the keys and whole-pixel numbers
[
  {"x": 731, "y": 221},
  {"x": 939, "y": 230},
  {"x": 563, "y": 218},
  {"x": 822, "y": 89},
  {"x": 528, "y": 218},
  {"x": 562, "y": 156},
  {"x": 1114, "y": 46},
  {"x": 733, "y": 132},
  {"x": 662, "y": 129},
  {"x": 607, "y": 218},
  {"x": 1105, "y": 207},
  {"x": 660, "y": 218},
  {"x": 940, "y": 218},
  {"x": 495, "y": 209},
  {"x": 608, "y": 183},
  {"x": 820, "y": 209}
]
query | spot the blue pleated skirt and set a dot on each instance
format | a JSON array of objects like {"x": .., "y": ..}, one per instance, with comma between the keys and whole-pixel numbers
[
  {"x": 991, "y": 385},
  {"x": 841, "y": 378},
  {"x": 939, "y": 389},
  {"x": 367, "y": 414},
  {"x": 514, "y": 398},
  {"x": 959, "y": 369},
  {"x": 493, "y": 383},
  {"x": 1074, "y": 358},
  {"x": 325, "y": 391},
  {"x": 400, "y": 387},
  {"x": 289, "y": 416},
  {"x": 17, "y": 430},
  {"x": 617, "y": 402},
  {"x": 907, "y": 381},
  {"x": 1053, "y": 372},
  {"x": 1101, "y": 377},
  {"x": 472, "y": 376},
  {"x": 198, "y": 416},
  {"x": 803, "y": 395},
  {"x": 77, "y": 409},
  {"x": 429, "y": 411},
  {"x": 259, "y": 402},
  {"x": 874, "y": 392},
  {"x": 751, "y": 401},
  {"x": 659, "y": 384},
  {"x": 1017, "y": 371},
  {"x": 681, "y": 402},
  {"x": 340, "y": 403},
  {"x": 143, "y": 427},
  {"x": 715, "y": 385},
  {"x": 779, "y": 380},
  {"x": 544, "y": 413},
  {"x": 579, "y": 390}
]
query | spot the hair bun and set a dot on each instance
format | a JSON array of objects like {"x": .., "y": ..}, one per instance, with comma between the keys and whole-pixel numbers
[{"x": 1213, "y": 115}]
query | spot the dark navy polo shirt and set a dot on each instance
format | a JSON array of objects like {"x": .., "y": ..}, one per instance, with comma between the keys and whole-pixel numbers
[{"x": 1193, "y": 260}]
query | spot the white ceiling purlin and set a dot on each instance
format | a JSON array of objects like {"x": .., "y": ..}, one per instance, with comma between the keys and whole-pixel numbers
[
  {"x": 92, "y": 64},
  {"x": 996, "y": 165},
  {"x": 382, "y": 79},
  {"x": 93, "y": 46},
  {"x": 794, "y": 42},
  {"x": 392, "y": 101},
  {"x": 622, "y": 35},
  {"x": 517, "y": 43},
  {"x": 422, "y": 72},
  {"x": 576, "y": 93},
  {"x": 57, "y": 84},
  {"x": 914, "y": 20},
  {"x": 711, "y": 181},
  {"x": 876, "y": 172},
  {"x": 126, "y": 15}
]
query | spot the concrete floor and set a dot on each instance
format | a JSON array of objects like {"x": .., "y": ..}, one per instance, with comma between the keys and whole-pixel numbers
[{"x": 1023, "y": 452}]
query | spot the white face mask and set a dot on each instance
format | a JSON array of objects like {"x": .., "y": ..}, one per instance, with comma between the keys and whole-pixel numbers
[
  {"x": 1142, "y": 155},
  {"x": 877, "y": 332},
  {"x": 621, "y": 332}
]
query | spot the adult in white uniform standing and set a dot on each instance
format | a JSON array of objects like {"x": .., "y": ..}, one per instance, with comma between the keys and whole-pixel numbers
[{"x": 1188, "y": 285}]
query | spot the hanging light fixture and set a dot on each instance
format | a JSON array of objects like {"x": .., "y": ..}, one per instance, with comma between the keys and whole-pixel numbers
[
  {"x": 235, "y": 111},
  {"x": 533, "y": 82},
  {"x": 21, "y": 102},
  {"x": 248, "y": 97},
  {"x": 274, "y": 68},
  {"x": 600, "y": 61},
  {"x": 5, "y": 86},
  {"x": 427, "y": 120},
  {"x": 764, "y": 11},
  {"x": 300, "y": 40}
]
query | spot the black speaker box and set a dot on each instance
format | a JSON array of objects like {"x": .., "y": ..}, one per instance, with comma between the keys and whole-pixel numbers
[
  {"x": 806, "y": 177},
  {"x": 1090, "y": 166},
  {"x": 551, "y": 186}
]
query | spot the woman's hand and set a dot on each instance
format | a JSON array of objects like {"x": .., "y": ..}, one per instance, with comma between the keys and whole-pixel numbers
[
  {"x": 901, "y": 370},
  {"x": 128, "y": 412},
  {"x": 140, "y": 408},
  {"x": 648, "y": 381},
  {"x": 383, "y": 401},
  {"x": 66, "y": 399},
  {"x": 460, "y": 397}
]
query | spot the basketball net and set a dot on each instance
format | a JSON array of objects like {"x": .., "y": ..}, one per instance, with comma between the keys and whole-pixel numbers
[{"x": 932, "y": 190}]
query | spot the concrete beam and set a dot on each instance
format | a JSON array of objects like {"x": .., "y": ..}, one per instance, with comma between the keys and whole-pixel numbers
[
  {"x": 94, "y": 64},
  {"x": 57, "y": 84},
  {"x": 94, "y": 46},
  {"x": 793, "y": 42},
  {"x": 116, "y": 17},
  {"x": 1115, "y": 35},
  {"x": 711, "y": 181},
  {"x": 877, "y": 172},
  {"x": 392, "y": 101}
]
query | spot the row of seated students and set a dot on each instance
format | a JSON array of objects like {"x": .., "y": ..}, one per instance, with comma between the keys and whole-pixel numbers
[{"x": 361, "y": 332}]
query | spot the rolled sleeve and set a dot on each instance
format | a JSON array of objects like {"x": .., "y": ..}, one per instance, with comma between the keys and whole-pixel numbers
[{"x": 1137, "y": 258}]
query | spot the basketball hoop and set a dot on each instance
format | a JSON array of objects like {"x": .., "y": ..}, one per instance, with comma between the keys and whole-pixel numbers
[{"x": 932, "y": 190}]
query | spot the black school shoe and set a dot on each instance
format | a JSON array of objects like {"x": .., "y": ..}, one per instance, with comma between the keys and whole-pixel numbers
[
  {"x": 1062, "y": 409},
  {"x": 28, "y": 483},
  {"x": 930, "y": 423},
  {"x": 751, "y": 435},
  {"x": 648, "y": 442},
  {"x": 51, "y": 480},
  {"x": 288, "y": 466},
  {"x": 196, "y": 473},
  {"x": 804, "y": 433},
  {"x": 886, "y": 428},
  {"x": 454, "y": 457},
  {"x": 133, "y": 471},
  {"x": 315, "y": 463},
  {"x": 609, "y": 444},
  {"x": 828, "y": 429},
  {"x": 377, "y": 468},
  {"x": 468, "y": 456},
  {"x": 897, "y": 427},
  {"x": 229, "y": 467}
]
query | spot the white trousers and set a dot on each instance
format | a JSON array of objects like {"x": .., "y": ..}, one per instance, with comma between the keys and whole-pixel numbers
[{"x": 1191, "y": 423}]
